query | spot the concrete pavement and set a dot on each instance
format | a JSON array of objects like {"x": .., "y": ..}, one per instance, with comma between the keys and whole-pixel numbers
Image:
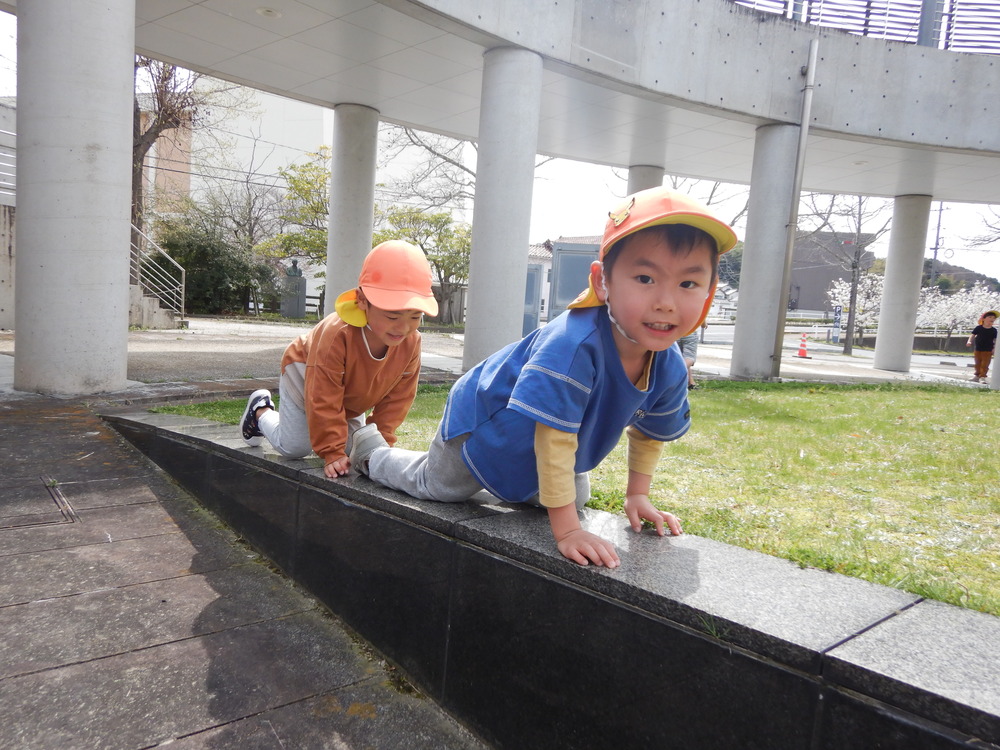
[
  {"x": 827, "y": 363},
  {"x": 165, "y": 363},
  {"x": 132, "y": 618}
]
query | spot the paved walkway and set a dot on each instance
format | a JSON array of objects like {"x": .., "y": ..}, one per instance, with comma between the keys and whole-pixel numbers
[
  {"x": 218, "y": 350},
  {"x": 827, "y": 363},
  {"x": 130, "y": 618}
]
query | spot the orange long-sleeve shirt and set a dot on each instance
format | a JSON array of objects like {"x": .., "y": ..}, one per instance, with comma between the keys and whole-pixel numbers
[{"x": 343, "y": 381}]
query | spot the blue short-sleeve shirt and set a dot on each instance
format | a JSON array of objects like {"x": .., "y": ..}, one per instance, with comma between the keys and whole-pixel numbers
[{"x": 567, "y": 375}]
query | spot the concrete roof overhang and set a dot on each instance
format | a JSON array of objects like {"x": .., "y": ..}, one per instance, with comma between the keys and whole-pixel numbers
[{"x": 683, "y": 86}]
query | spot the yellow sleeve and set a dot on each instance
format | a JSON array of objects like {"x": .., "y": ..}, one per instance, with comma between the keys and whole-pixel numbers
[
  {"x": 555, "y": 457},
  {"x": 643, "y": 452}
]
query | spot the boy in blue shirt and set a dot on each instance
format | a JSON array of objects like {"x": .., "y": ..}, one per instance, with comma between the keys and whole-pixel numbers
[{"x": 531, "y": 420}]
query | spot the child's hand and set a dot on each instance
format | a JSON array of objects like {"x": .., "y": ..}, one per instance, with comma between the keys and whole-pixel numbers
[
  {"x": 583, "y": 547},
  {"x": 338, "y": 467},
  {"x": 638, "y": 508}
]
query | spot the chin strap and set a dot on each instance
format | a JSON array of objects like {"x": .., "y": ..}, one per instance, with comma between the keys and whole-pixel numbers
[
  {"x": 368, "y": 347},
  {"x": 611, "y": 317}
]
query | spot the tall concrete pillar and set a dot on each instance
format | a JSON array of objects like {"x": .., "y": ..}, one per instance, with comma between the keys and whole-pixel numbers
[
  {"x": 643, "y": 177},
  {"x": 74, "y": 96},
  {"x": 352, "y": 197},
  {"x": 758, "y": 310},
  {"x": 904, "y": 267},
  {"x": 508, "y": 140}
]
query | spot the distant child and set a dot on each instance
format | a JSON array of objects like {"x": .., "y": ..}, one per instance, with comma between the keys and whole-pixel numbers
[
  {"x": 984, "y": 336},
  {"x": 365, "y": 356},
  {"x": 530, "y": 421},
  {"x": 689, "y": 350}
]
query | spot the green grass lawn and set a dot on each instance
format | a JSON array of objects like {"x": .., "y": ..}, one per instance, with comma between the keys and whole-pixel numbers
[{"x": 894, "y": 484}]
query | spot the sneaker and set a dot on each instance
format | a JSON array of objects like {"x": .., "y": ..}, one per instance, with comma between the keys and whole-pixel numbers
[
  {"x": 366, "y": 440},
  {"x": 248, "y": 425}
]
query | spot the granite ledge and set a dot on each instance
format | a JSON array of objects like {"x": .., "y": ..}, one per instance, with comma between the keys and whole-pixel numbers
[{"x": 848, "y": 634}]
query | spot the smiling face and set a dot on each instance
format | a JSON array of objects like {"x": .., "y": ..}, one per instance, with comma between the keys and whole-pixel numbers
[
  {"x": 657, "y": 290},
  {"x": 388, "y": 328}
]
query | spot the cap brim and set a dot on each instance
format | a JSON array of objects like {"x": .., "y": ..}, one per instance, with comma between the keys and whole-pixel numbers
[
  {"x": 394, "y": 299},
  {"x": 724, "y": 236}
]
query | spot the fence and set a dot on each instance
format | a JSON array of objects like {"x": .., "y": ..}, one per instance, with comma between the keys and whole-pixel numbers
[{"x": 956, "y": 25}]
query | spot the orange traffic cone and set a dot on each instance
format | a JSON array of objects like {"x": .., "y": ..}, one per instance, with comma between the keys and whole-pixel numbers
[{"x": 802, "y": 348}]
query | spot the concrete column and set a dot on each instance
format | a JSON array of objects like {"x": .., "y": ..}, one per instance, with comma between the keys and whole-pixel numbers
[
  {"x": 352, "y": 197},
  {"x": 7, "y": 244},
  {"x": 758, "y": 310},
  {"x": 643, "y": 177},
  {"x": 74, "y": 96},
  {"x": 508, "y": 139},
  {"x": 904, "y": 267}
]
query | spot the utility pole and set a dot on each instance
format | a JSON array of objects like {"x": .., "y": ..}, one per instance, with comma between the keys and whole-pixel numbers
[{"x": 937, "y": 244}]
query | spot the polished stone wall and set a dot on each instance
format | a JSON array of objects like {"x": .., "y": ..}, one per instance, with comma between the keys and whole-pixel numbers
[{"x": 689, "y": 644}]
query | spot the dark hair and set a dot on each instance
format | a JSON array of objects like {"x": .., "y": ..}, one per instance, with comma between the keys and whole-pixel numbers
[{"x": 680, "y": 238}]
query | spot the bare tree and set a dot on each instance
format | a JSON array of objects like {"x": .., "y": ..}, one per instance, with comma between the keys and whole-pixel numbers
[
  {"x": 245, "y": 204},
  {"x": 169, "y": 103},
  {"x": 990, "y": 230},
  {"x": 442, "y": 173},
  {"x": 855, "y": 223},
  {"x": 242, "y": 208},
  {"x": 439, "y": 176},
  {"x": 735, "y": 198}
]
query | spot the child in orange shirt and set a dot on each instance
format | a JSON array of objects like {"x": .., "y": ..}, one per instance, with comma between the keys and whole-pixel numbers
[{"x": 364, "y": 357}]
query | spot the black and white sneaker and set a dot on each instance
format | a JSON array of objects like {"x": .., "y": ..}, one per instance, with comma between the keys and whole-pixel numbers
[
  {"x": 365, "y": 441},
  {"x": 248, "y": 425}
]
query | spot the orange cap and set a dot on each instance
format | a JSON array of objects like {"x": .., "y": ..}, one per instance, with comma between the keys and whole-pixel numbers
[
  {"x": 394, "y": 276},
  {"x": 650, "y": 208}
]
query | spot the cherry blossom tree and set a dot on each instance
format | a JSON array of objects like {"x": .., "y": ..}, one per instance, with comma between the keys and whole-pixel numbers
[
  {"x": 948, "y": 313},
  {"x": 862, "y": 301}
]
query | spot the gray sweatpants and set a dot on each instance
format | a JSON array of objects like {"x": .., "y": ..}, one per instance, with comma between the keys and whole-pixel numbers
[
  {"x": 440, "y": 473},
  {"x": 287, "y": 430}
]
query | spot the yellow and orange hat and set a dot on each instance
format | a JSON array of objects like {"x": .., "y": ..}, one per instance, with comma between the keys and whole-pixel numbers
[
  {"x": 395, "y": 275},
  {"x": 652, "y": 207}
]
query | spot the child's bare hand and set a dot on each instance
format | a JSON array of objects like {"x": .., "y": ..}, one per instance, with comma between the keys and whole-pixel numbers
[
  {"x": 584, "y": 548},
  {"x": 338, "y": 467},
  {"x": 639, "y": 509}
]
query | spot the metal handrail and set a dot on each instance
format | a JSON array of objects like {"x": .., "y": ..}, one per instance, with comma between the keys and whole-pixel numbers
[{"x": 152, "y": 278}]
